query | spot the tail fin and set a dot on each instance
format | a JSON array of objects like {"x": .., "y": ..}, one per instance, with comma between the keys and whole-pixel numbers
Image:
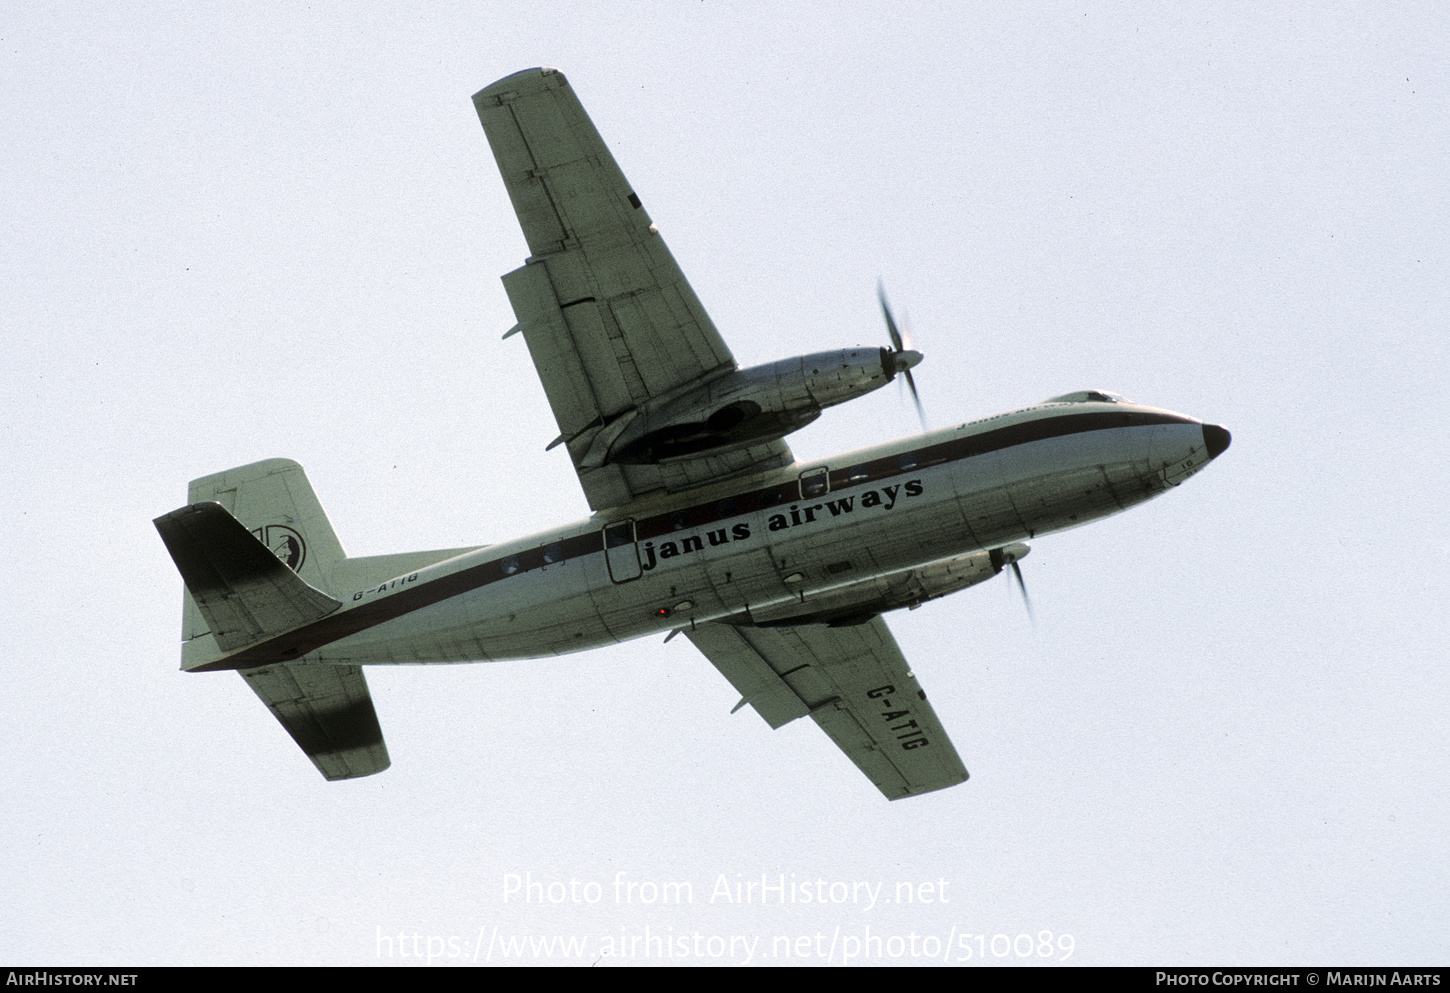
[{"x": 274, "y": 501}]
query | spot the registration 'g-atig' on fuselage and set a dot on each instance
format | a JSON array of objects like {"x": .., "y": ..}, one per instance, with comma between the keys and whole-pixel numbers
[{"x": 764, "y": 549}]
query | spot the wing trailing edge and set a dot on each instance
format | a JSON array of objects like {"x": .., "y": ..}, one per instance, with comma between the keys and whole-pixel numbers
[{"x": 612, "y": 325}]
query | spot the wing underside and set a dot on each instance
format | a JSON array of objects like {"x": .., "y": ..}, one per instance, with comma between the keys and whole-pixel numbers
[
  {"x": 610, "y": 322},
  {"x": 329, "y": 713},
  {"x": 854, "y": 683}
]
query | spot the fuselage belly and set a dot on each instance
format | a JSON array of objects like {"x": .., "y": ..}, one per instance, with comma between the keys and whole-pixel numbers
[{"x": 797, "y": 537}]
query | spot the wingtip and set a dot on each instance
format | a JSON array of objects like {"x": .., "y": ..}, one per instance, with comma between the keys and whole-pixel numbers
[{"x": 515, "y": 79}]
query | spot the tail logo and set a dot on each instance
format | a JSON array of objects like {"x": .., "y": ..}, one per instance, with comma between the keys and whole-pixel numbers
[{"x": 285, "y": 543}]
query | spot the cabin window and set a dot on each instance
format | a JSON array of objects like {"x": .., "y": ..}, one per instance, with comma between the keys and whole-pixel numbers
[
  {"x": 769, "y": 498},
  {"x": 907, "y": 462},
  {"x": 553, "y": 553},
  {"x": 510, "y": 565},
  {"x": 857, "y": 474},
  {"x": 679, "y": 520}
]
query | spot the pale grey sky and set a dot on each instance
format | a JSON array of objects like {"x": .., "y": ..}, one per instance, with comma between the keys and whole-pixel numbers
[{"x": 247, "y": 231}]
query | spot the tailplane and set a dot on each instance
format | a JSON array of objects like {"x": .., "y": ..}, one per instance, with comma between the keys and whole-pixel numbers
[
  {"x": 256, "y": 553},
  {"x": 329, "y": 713},
  {"x": 259, "y": 559},
  {"x": 243, "y": 590}
]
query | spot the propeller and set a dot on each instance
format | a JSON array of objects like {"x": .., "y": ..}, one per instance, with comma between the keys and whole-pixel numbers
[
  {"x": 1026, "y": 600},
  {"x": 1011, "y": 555},
  {"x": 903, "y": 357}
]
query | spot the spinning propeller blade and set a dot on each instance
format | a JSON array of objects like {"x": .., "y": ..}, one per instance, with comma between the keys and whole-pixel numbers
[
  {"x": 1011, "y": 555},
  {"x": 1026, "y": 600},
  {"x": 905, "y": 357}
]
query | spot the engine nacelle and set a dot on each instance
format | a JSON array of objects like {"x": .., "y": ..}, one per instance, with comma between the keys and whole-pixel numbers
[
  {"x": 749, "y": 405},
  {"x": 859, "y": 602}
]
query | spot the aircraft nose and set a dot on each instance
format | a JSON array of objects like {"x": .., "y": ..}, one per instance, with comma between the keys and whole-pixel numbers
[{"x": 1217, "y": 438}]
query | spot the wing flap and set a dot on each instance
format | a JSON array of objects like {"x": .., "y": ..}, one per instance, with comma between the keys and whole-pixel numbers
[
  {"x": 552, "y": 347},
  {"x": 855, "y": 684},
  {"x": 329, "y": 713},
  {"x": 750, "y": 674}
]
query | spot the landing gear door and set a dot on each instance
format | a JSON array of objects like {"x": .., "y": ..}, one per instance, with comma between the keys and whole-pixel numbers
[{"x": 621, "y": 552}]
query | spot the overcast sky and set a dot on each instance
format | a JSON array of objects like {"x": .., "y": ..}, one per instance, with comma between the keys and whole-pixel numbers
[{"x": 249, "y": 231}]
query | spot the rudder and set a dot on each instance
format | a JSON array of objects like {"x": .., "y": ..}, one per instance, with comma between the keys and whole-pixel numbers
[{"x": 273, "y": 500}]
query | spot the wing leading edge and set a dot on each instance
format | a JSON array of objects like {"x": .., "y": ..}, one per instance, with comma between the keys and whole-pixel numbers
[
  {"x": 609, "y": 319},
  {"x": 855, "y": 683}
]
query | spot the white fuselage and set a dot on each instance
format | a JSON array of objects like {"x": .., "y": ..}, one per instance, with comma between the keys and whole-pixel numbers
[{"x": 763, "y": 546}]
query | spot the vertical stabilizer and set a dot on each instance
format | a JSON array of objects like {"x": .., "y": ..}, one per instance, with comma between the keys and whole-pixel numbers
[{"x": 275, "y": 502}]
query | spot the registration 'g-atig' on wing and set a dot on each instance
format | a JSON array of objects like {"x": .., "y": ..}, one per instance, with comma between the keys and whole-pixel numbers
[
  {"x": 609, "y": 319},
  {"x": 855, "y": 683}
]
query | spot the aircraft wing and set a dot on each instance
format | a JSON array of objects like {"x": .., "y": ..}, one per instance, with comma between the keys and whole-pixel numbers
[
  {"x": 609, "y": 319},
  {"x": 854, "y": 682}
]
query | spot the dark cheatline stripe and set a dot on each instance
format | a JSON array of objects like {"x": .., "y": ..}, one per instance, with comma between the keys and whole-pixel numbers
[{"x": 337, "y": 626}]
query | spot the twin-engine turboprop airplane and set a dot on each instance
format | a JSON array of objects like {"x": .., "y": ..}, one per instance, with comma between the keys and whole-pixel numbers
[{"x": 704, "y": 523}]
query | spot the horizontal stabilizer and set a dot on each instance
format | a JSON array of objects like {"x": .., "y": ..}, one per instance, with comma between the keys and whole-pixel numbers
[
  {"x": 243, "y": 590},
  {"x": 328, "y": 711}
]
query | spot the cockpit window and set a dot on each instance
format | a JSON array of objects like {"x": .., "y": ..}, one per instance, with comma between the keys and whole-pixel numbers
[{"x": 1090, "y": 396}]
